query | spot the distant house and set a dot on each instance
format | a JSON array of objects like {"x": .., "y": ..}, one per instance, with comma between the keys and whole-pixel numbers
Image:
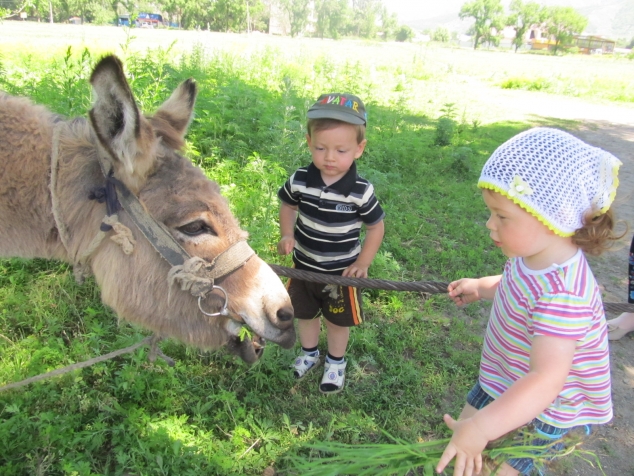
[
  {"x": 589, "y": 44},
  {"x": 542, "y": 44},
  {"x": 149, "y": 20},
  {"x": 74, "y": 21}
]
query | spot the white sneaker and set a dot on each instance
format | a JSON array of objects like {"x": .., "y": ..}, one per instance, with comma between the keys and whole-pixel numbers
[
  {"x": 304, "y": 363},
  {"x": 334, "y": 377}
]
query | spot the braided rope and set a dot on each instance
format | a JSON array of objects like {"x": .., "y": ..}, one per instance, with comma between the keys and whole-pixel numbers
[{"x": 431, "y": 287}]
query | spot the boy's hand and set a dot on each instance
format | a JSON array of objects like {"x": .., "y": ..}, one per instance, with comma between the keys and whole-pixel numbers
[
  {"x": 286, "y": 245},
  {"x": 466, "y": 445},
  {"x": 464, "y": 291},
  {"x": 356, "y": 270}
]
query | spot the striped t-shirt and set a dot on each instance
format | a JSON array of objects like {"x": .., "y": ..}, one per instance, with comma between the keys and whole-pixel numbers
[
  {"x": 561, "y": 301},
  {"x": 330, "y": 218}
]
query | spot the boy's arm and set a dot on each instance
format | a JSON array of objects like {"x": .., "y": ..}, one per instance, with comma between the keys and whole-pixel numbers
[
  {"x": 288, "y": 217},
  {"x": 373, "y": 239},
  {"x": 550, "y": 363}
]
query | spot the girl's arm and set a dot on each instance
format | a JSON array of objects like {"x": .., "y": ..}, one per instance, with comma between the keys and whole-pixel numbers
[
  {"x": 550, "y": 363},
  {"x": 466, "y": 290},
  {"x": 288, "y": 216},
  {"x": 373, "y": 239}
]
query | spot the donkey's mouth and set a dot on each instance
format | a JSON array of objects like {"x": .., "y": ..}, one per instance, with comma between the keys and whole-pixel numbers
[
  {"x": 248, "y": 336},
  {"x": 248, "y": 349}
]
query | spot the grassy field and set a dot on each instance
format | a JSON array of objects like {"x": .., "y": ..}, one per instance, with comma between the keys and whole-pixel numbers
[{"x": 414, "y": 358}]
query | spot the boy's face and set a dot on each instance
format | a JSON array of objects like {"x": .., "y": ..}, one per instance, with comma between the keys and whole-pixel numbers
[
  {"x": 518, "y": 233},
  {"x": 334, "y": 151}
]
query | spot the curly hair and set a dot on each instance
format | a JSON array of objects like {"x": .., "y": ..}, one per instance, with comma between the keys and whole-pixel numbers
[{"x": 597, "y": 234}]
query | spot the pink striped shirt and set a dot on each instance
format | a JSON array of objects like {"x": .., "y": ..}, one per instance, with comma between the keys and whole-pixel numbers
[{"x": 560, "y": 301}]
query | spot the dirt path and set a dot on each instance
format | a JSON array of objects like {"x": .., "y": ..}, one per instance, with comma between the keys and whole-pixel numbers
[{"x": 614, "y": 443}]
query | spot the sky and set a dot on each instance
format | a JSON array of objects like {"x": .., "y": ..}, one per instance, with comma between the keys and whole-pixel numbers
[{"x": 422, "y": 9}]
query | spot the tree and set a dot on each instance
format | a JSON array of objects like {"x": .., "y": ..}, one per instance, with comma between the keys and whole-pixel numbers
[
  {"x": 440, "y": 34},
  {"x": 339, "y": 18},
  {"x": 196, "y": 13},
  {"x": 101, "y": 14},
  {"x": 38, "y": 8},
  {"x": 365, "y": 13},
  {"x": 331, "y": 17},
  {"x": 12, "y": 8},
  {"x": 491, "y": 36},
  {"x": 228, "y": 15},
  {"x": 522, "y": 17},
  {"x": 174, "y": 10},
  {"x": 297, "y": 11},
  {"x": 389, "y": 23},
  {"x": 562, "y": 23},
  {"x": 259, "y": 16},
  {"x": 404, "y": 33},
  {"x": 487, "y": 15}
]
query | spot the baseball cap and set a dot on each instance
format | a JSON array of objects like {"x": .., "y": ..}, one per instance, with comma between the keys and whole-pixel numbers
[{"x": 341, "y": 106}]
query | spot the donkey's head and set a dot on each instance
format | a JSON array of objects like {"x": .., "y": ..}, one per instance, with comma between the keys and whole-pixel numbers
[{"x": 142, "y": 152}]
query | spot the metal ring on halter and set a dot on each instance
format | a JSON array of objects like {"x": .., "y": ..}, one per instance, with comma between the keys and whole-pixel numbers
[{"x": 223, "y": 311}]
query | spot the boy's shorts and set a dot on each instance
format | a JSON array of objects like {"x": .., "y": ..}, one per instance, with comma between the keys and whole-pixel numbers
[
  {"x": 340, "y": 305},
  {"x": 479, "y": 399}
]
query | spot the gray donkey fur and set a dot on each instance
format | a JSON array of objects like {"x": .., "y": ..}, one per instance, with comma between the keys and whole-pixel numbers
[{"x": 143, "y": 153}]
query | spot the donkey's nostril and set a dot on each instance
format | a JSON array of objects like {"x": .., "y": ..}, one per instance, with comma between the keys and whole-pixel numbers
[{"x": 285, "y": 314}]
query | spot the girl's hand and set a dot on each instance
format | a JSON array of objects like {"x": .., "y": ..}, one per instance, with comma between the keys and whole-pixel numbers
[
  {"x": 466, "y": 445},
  {"x": 286, "y": 245},
  {"x": 464, "y": 291}
]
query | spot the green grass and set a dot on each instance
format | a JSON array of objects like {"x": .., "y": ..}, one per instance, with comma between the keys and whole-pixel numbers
[{"x": 413, "y": 359}]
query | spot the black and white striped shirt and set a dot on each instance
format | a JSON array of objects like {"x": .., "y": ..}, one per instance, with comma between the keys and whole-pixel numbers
[{"x": 330, "y": 218}]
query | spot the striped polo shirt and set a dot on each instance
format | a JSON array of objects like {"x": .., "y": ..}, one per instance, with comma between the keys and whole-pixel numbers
[
  {"x": 330, "y": 218},
  {"x": 561, "y": 301}
]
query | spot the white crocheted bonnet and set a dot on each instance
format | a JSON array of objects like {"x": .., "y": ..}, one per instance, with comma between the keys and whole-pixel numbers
[{"x": 554, "y": 176}]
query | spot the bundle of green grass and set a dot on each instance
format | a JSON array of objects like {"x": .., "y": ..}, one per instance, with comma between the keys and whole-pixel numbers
[{"x": 409, "y": 459}]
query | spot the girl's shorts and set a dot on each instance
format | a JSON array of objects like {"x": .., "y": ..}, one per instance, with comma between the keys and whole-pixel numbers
[
  {"x": 340, "y": 305},
  {"x": 479, "y": 399}
]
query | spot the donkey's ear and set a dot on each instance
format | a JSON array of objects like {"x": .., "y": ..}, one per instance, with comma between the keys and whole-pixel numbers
[
  {"x": 119, "y": 126},
  {"x": 176, "y": 113}
]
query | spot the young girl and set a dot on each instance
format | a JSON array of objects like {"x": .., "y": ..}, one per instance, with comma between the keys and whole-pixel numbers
[{"x": 545, "y": 358}]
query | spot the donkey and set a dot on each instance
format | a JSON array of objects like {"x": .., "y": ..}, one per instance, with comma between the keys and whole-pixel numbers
[{"x": 56, "y": 203}]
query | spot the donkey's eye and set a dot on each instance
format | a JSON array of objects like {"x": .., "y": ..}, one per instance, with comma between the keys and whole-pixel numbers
[{"x": 196, "y": 228}]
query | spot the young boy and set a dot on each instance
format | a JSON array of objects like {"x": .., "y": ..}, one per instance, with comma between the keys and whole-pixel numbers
[{"x": 333, "y": 202}]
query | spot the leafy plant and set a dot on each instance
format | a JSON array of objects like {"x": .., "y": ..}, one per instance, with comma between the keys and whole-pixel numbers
[
  {"x": 445, "y": 130},
  {"x": 530, "y": 84}
]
